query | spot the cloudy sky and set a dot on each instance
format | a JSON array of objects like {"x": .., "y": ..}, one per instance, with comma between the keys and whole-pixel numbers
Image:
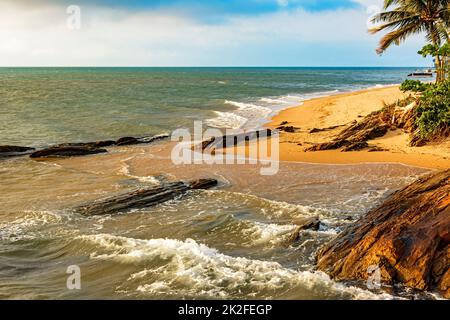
[{"x": 195, "y": 33}]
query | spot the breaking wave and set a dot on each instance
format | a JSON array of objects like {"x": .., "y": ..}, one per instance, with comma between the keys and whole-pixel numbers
[{"x": 189, "y": 269}]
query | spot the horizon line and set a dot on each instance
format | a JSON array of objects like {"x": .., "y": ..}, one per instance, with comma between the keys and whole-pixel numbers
[{"x": 168, "y": 66}]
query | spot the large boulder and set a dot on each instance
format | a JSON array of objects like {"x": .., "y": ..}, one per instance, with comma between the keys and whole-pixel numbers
[{"x": 407, "y": 237}]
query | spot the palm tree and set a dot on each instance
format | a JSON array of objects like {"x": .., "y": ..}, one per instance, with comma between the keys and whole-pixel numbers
[{"x": 404, "y": 18}]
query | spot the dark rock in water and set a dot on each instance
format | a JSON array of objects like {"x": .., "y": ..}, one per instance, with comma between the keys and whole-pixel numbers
[
  {"x": 127, "y": 141},
  {"x": 143, "y": 198},
  {"x": 205, "y": 144},
  {"x": 284, "y": 123},
  {"x": 14, "y": 151},
  {"x": 88, "y": 148},
  {"x": 202, "y": 184},
  {"x": 152, "y": 139},
  {"x": 97, "y": 144},
  {"x": 66, "y": 151},
  {"x": 234, "y": 140},
  {"x": 407, "y": 238},
  {"x": 9, "y": 149},
  {"x": 312, "y": 223},
  {"x": 102, "y": 144}
]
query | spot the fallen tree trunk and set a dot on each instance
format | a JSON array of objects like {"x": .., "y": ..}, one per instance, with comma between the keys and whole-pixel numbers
[
  {"x": 407, "y": 238},
  {"x": 143, "y": 198}
]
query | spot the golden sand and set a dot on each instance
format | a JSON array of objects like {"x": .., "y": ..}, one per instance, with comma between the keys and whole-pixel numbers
[{"x": 342, "y": 109}]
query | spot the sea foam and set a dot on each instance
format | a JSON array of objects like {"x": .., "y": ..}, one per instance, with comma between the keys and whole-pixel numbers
[{"x": 187, "y": 268}]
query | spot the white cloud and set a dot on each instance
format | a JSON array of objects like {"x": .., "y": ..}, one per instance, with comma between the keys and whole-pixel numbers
[
  {"x": 283, "y": 3},
  {"x": 108, "y": 37}
]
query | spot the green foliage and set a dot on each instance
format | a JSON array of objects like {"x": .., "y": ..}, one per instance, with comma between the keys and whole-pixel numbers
[
  {"x": 434, "y": 110},
  {"x": 435, "y": 50},
  {"x": 414, "y": 86}
]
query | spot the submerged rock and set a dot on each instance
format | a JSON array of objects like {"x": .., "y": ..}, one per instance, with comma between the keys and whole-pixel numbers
[
  {"x": 407, "y": 238},
  {"x": 14, "y": 151},
  {"x": 143, "y": 198},
  {"x": 96, "y": 144},
  {"x": 303, "y": 224},
  {"x": 66, "y": 151},
  {"x": 312, "y": 223},
  {"x": 127, "y": 141},
  {"x": 88, "y": 148},
  {"x": 233, "y": 140}
]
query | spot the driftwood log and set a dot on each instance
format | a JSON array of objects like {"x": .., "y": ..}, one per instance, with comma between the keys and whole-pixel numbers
[{"x": 143, "y": 198}]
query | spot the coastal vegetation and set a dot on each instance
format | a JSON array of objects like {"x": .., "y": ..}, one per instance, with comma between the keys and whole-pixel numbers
[
  {"x": 433, "y": 108},
  {"x": 405, "y": 18}
]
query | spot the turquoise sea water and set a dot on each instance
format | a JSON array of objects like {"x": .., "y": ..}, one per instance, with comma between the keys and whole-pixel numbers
[{"x": 41, "y": 106}]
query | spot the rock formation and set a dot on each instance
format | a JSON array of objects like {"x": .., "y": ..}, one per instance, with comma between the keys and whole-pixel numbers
[
  {"x": 407, "y": 237},
  {"x": 14, "y": 151},
  {"x": 88, "y": 148},
  {"x": 66, "y": 151},
  {"x": 143, "y": 198}
]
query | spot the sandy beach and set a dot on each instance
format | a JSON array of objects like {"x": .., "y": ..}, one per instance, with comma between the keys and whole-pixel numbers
[{"x": 340, "y": 110}]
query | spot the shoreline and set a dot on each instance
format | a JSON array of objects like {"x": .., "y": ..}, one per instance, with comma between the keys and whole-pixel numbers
[{"x": 341, "y": 109}]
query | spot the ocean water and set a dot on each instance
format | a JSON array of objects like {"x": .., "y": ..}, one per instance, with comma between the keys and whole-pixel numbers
[
  {"x": 230, "y": 242},
  {"x": 41, "y": 106}
]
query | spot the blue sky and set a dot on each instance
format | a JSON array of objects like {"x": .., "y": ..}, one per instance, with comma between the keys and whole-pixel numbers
[
  {"x": 196, "y": 33},
  {"x": 247, "y": 7}
]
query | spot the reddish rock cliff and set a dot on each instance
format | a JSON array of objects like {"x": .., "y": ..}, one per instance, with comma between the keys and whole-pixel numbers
[{"x": 407, "y": 237}]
